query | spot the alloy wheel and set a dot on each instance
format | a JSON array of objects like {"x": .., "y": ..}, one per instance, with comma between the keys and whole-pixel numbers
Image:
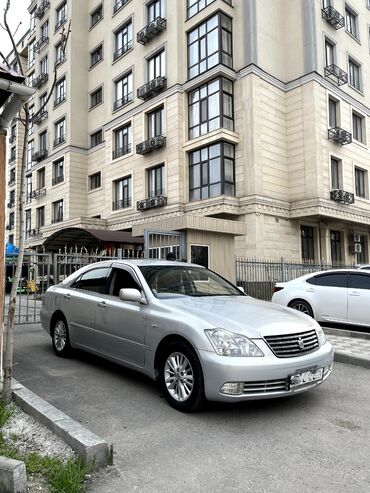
[
  {"x": 178, "y": 376},
  {"x": 60, "y": 335}
]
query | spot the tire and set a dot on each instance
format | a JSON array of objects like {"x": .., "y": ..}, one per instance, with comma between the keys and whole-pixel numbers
[
  {"x": 60, "y": 338},
  {"x": 183, "y": 391},
  {"x": 302, "y": 306}
]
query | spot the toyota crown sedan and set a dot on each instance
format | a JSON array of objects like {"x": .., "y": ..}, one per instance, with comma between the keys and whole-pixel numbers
[{"x": 188, "y": 328}]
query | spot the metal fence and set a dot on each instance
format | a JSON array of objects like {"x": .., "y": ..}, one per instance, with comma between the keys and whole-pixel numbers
[{"x": 258, "y": 277}]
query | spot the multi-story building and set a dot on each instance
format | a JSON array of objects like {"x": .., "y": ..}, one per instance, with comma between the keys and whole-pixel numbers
[{"x": 242, "y": 123}]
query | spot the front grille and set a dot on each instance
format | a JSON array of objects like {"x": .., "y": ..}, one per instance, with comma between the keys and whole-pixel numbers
[
  {"x": 266, "y": 386},
  {"x": 290, "y": 345}
]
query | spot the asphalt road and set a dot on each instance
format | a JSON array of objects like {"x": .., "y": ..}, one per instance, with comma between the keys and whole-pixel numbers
[{"x": 315, "y": 442}]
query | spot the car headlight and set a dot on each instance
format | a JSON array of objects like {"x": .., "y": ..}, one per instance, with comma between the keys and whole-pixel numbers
[
  {"x": 228, "y": 343},
  {"x": 320, "y": 335}
]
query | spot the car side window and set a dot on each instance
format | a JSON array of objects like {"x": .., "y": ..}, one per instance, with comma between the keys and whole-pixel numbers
[
  {"x": 122, "y": 279},
  {"x": 359, "y": 281},
  {"x": 95, "y": 280},
  {"x": 337, "y": 280}
]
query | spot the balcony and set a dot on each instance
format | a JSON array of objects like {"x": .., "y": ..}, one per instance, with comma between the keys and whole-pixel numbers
[
  {"x": 41, "y": 43},
  {"x": 122, "y": 102},
  {"x": 39, "y": 80},
  {"x": 121, "y": 51},
  {"x": 38, "y": 193},
  {"x": 40, "y": 11},
  {"x": 339, "y": 135},
  {"x": 151, "y": 144},
  {"x": 121, "y": 204},
  {"x": 57, "y": 179},
  {"x": 333, "y": 17},
  {"x": 121, "y": 151},
  {"x": 12, "y": 139},
  {"x": 151, "y": 30},
  {"x": 39, "y": 116},
  {"x": 60, "y": 23},
  {"x": 57, "y": 219},
  {"x": 342, "y": 196},
  {"x": 151, "y": 88},
  {"x": 336, "y": 74},
  {"x": 118, "y": 5},
  {"x": 59, "y": 140},
  {"x": 34, "y": 232},
  {"x": 59, "y": 100},
  {"x": 152, "y": 203},
  {"x": 39, "y": 155}
]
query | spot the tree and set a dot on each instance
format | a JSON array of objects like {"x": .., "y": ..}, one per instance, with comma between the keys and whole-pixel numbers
[{"x": 24, "y": 118}]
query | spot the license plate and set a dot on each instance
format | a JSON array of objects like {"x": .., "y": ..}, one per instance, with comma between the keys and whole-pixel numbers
[{"x": 304, "y": 377}]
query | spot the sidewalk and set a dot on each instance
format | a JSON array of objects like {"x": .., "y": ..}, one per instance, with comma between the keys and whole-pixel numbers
[{"x": 350, "y": 347}]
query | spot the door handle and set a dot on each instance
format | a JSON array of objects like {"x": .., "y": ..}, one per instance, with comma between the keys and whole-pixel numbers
[
  {"x": 354, "y": 293},
  {"x": 102, "y": 304},
  {"x": 67, "y": 297}
]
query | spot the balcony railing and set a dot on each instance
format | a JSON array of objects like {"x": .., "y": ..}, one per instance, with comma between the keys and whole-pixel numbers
[
  {"x": 57, "y": 219},
  {"x": 333, "y": 17},
  {"x": 9, "y": 227},
  {"x": 38, "y": 193},
  {"x": 151, "y": 144},
  {"x": 336, "y": 74},
  {"x": 11, "y": 182},
  {"x": 34, "y": 232},
  {"x": 39, "y": 155},
  {"x": 12, "y": 139},
  {"x": 151, "y": 30},
  {"x": 40, "y": 11},
  {"x": 119, "y": 4},
  {"x": 59, "y": 61},
  {"x": 152, "y": 87},
  {"x": 121, "y": 204},
  {"x": 121, "y": 151},
  {"x": 59, "y": 100},
  {"x": 342, "y": 196},
  {"x": 39, "y": 116},
  {"x": 151, "y": 203},
  {"x": 10, "y": 205},
  {"x": 122, "y": 50},
  {"x": 59, "y": 140},
  {"x": 57, "y": 179},
  {"x": 40, "y": 80},
  {"x": 122, "y": 102},
  {"x": 339, "y": 135},
  {"x": 40, "y": 43},
  {"x": 60, "y": 23}
]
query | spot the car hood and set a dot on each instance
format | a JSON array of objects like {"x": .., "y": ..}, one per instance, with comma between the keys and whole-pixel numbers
[{"x": 243, "y": 314}]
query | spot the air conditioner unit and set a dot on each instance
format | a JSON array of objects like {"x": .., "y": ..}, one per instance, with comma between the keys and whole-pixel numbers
[{"x": 356, "y": 248}]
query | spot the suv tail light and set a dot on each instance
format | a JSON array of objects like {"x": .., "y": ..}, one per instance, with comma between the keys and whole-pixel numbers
[{"x": 278, "y": 288}]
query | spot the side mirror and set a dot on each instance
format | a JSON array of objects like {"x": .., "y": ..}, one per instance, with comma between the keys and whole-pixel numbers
[{"x": 130, "y": 294}]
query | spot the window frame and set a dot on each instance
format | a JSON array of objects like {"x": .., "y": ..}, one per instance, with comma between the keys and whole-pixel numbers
[
  {"x": 92, "y": 136},
  {"x": 94, "y": 99},
  {"x": 124, "y": 134},
  {"x": 156, "y": 181},
  {"x": 155, "y": 126},
  {"x": 307, "y": 243},
  {"x": 97, "y": 9},
  {"x": 354, "y": 74},
  {"x": 97, "y": 50},
  {"x": 121, "y": 47},
  {"x": 351, "y": 21},
  {"x": 358, "y": 127},
  {"x": 122, "y": 193},
  {"x": 360, "y": 178},
  {"x": 95, "y": 181},
  {"x": 122, "y": 83}
]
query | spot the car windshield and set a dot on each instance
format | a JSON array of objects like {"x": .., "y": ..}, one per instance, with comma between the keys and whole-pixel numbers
[{"x": 181, "y": 280}]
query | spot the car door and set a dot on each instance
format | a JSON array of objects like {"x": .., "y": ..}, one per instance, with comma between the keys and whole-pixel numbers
[
  {"x": 328, "y": 292},
  {"x": 359, "y": 298},
  {"x": 79, "y": 305},
  {"x": 120, "y": 325}
]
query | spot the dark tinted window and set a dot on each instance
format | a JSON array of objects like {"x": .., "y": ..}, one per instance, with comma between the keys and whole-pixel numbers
[
  {"x": 335, "y": 280},
  {"x": 360, "y": 281},
  {"x": 123, "y": 280},
  {"x": 94, "y": 280}
]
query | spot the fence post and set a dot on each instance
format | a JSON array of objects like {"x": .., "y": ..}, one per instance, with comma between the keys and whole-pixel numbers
[{"x": 282, "y": 267}]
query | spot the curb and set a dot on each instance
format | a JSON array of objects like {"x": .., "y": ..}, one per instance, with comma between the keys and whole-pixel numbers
[
  {"x": 346, "y": 333},
  {"x": 351, "y": 360},
  {"x": 92, "y": 449},
  {"x": 13, "y": 476}
]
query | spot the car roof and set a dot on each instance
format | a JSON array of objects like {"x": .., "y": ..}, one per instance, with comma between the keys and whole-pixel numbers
[{"x": 144, "y": 262}]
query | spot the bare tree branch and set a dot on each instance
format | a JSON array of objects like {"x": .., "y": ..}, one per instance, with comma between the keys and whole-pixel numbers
[
  {"x": 18, "y": 58},
  {"x": 5, "y": 60}
]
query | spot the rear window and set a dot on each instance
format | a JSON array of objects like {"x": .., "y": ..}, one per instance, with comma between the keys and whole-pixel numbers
[
  {"x": 360, "y": 281},
  {"x": 338, "y": 280}
]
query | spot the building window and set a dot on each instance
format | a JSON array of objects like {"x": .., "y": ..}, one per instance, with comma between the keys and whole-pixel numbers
[
  {"x": 41, "y": 178},
  {"x": 96, "y": 138},
  {"x": 209, "y": 44},
  {"x": 12, "y": 198},
  {"x": 329, "y": 53},
  {"x": 195, "y": 6},
  {"x": 60, "y": 91},
  {"x": 11, "y": 220},
  {"x": 122, "y": 193},
  {"x": 211, "y": 108},
  {"x": 12, "y": 176},
  {"x": 58, "y": 172},
  {"x": 28, "y": 188},
  {"x": 95, "y": 181},
  {"x": 96, "y": 97},
  {"x": 43, "y": 143},
  {"x": 155, "y": 123},
  {"x": 13, "y": 133},
  {"x": 154, "y": 10},
  {"x": 122, "y": 40},
  {"x": 28, "y": 222},
  {"x": 118, "y": 4},
  {"x": 42, "y": 101},
  {"x": 13, "y": 154},
  {"x": 335, "y": 165},
  {"x": 44, "y": 66},
  {"x": 59, "y": 132},
  {"x": 32, "y": 21},
  {"x": 362, "y": 257},
  {"x": 333, "y": 113},
  {"x": 31, "y": 53},
  {"x": 358, "y": 132},
  {"x": 45, "y": 30},
  {"x": 307, "y": 244},
  {"x": 122, "y": 141},
  {"x": 59, "y": 54},
  {"x": 360, "y": 182},
  {"x": 61, "y": 15},
  {"x": 157, "y": 66},
  {"x": 96, "y": 15},
  {"x": 57, "y": 210},
  {"x": 96, "y": 55},
  {"x": 40, "y": 217},
  {"x": 31, "y": 110},
  {"x": 30, "y": 150},
  {"x": 212, "y": 171},
  {"x": 122, "y": 91},
  {"x": 351, "y": 22},
  {"x": 335, "y": 247},
  {"x": 354, "y": 70},
  {"x": 156, "y": 181}
]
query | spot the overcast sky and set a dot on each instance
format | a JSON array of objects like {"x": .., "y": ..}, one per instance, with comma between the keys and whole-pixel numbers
[{"x": 17, "y": 13}]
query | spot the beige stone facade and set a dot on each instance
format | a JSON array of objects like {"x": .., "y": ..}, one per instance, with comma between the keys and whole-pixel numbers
[{"x": 274, "y": 197}]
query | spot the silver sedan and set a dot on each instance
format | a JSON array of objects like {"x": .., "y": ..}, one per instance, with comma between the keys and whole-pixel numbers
[{"x": 190, "y": 329}]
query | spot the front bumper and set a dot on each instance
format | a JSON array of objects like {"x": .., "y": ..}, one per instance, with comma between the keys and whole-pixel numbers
[{"x": 218, "y": 370}]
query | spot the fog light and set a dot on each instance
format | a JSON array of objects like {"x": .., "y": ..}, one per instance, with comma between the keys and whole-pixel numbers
[{"x": 232, "y": 388}]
